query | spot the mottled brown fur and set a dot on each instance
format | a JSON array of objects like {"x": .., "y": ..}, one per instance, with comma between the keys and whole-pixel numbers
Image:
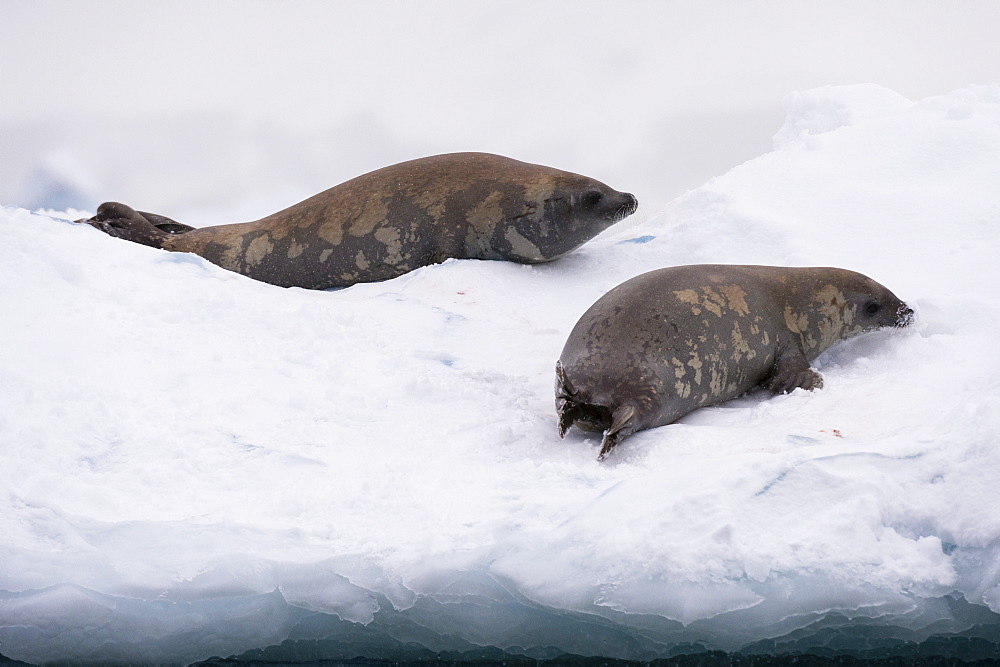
[
  {"x": 396, "y": 219},
  {"x": 670, "y": 341}
]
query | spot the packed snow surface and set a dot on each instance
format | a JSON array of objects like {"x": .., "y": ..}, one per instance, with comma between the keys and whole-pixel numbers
[{"x": 192, "y": 459}]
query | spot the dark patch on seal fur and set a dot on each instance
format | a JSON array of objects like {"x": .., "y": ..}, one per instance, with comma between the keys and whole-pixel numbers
[
  {"x": 670, "y": 341},
  {"x": 396, "y": 219}
]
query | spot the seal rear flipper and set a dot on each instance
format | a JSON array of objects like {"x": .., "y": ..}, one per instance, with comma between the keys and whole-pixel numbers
[
  {"x": 623, "y": 424},
  {"x": 165, "y": 224},
  {"x": 569, "y": 412},
  {"x": 566, "y": 407},
  {"x": 124, "y": 222},
  {"x": 576, "y": 408}
]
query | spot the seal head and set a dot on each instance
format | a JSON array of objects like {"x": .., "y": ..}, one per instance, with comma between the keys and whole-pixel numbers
[
  {"x": 396, "y": 219},
  {"x": 670, "y": 341}
]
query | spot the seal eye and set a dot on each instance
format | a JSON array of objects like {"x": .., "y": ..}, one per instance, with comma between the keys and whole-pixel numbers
[
  {"x": 591, "y": 199},
  {"x": 872, "y": 308}
]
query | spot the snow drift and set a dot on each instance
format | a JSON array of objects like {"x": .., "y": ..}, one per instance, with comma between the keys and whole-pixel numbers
[{"x": 197, "y": 464}]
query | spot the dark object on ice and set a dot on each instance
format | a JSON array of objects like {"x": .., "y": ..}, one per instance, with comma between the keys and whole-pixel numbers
[
  {"x": 396, "y": 219},
  {"x": 669, "y": 341}
]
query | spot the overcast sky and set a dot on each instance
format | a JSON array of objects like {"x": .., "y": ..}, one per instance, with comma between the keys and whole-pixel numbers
[{"x": 661, "y": 94}]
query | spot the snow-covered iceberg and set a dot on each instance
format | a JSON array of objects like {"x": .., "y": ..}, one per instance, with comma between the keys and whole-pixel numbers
[{"x": 196, "y": 464}]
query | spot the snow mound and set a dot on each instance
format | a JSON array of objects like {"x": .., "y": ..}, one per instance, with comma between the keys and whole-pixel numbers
[{"x": 198, "y": 464}]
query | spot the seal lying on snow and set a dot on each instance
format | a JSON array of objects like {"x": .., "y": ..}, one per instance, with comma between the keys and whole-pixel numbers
[
  {"x": 669, "y": 341},
  {"x": 396, "y": 219}
]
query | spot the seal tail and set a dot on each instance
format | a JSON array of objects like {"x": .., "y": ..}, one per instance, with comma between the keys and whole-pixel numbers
[{"x": 124, "y": 222}]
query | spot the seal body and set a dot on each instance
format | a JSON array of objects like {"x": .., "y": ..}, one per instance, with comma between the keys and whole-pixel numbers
[
  {"x": 396, "y": 219},
  {"x": 670, "y": 341}
]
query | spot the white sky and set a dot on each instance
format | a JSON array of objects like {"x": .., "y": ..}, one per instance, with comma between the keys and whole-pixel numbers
[{"x": 642, "y": 95}]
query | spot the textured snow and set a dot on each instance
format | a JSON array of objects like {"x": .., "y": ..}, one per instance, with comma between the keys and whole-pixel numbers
[{"x": 194, "y": 461}]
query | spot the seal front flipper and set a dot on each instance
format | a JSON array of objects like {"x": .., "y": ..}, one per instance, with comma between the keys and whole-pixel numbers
[
  {"x": 569, "y": 407},
  {"x": 792, "y": 371},
  {"x": 623, "y": 424}
]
